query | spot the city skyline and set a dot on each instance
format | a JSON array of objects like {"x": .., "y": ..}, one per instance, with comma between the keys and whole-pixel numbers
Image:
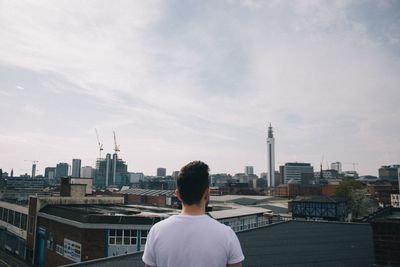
[{"x": 200, "y": 81}]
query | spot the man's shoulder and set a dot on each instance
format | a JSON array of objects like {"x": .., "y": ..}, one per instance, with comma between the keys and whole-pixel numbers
[{"x": 165, "y": 222}]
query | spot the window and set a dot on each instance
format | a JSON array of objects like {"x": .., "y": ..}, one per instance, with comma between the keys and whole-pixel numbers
[
  {"x": 60, "y": 250},
  {"x": 5, "y": 215},
  {"x": 122, "y": 237},
  {"x": 127, "y": 237},
  {"x": 17, "y": 219},
  {"x": 11, "y": 216},
  {"x": 1, "y": 213},
  {"x": 133, "y": 237},
  {"x": 118, "y": 239},
  {"x": 23, "y": 221},
  {"x": 143, "y": 237}
]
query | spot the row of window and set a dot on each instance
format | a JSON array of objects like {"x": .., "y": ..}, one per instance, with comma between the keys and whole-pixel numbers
[
  {"x": 246, "y": 224},
  {"x": 13, "y": 217},
  {"x": 127, "y": 237}
]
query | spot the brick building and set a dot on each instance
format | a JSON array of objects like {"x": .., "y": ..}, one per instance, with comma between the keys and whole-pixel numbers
[{"x": 149, "y": 197}]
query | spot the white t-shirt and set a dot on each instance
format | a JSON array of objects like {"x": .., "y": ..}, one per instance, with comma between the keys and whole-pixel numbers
[{"x": 184, "y": 240}]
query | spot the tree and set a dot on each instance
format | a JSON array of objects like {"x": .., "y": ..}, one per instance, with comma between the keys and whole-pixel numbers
[{"x": 355, "y": 194}]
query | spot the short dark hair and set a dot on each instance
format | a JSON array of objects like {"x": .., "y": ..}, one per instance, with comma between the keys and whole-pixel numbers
[{"x": 192, "y": 182}]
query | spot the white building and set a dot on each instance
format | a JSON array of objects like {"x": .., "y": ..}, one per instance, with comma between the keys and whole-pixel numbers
[
  {"x": 271, "y": 157},
  {"x": 337, "y": 166},
  {"x": 87, "y": 172}
]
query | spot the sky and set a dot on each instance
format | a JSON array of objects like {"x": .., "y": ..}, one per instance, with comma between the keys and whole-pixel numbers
[{"x": 200, "y": 80}]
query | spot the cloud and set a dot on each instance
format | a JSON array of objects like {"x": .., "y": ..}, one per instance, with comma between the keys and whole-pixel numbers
[{"x": 180, "y": 79}]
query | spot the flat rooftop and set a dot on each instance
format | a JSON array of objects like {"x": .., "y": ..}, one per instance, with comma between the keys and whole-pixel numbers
[
  {"x": 112, "y": 213},
  {"x": 291, "y": 244}
]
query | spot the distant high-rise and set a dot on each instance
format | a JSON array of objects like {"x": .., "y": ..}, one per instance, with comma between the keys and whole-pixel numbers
[
  {"x": 271, "y": 157},
  {"x": 249, "y": 170},
  {"x": 61, "y": 170},
  {"x": 87, "y": 172},
  {"x": 33, "y": 170},
  {"x": 111, "y": 171},
  {"x": 337, "y": 166},
  {"x": 298, "y": 172},
  {"x": 161, "y": 172},
  {"x": 76, "y": 168},
  {"x": 50, "y": 173}
]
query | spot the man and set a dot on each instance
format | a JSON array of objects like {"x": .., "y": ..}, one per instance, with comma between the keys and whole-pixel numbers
[{"x": 192, "y": 238}]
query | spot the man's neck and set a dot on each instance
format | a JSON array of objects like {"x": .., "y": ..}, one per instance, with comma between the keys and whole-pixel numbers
[{"x": 193, "y": 209}]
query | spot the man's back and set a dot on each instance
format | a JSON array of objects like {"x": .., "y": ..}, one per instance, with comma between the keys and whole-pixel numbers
[{"x": 184, "y": 240}]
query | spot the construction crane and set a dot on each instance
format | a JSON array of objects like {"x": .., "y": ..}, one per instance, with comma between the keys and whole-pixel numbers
[
  {"x": 100, "y": 144},
  {"x": 116, "y": 148}
]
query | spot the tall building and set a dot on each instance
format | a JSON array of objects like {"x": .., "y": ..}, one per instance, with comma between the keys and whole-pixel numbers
[
  {"x": 33, "y": 170},
  {"x": 249, "y": 170},
  {"x": 337, "y": 166},
  {"x": 271, "y": 157},
  {"x": 111, "y": 171},
  {"x": 161, "y": 172},
  {"x": 76, "y": 168},
  {"x": 50, "y": 173},
  {"x": 299, "y": 172},
  {"x": 87, "y": 172},
  {"x": 61, "y": 170}
]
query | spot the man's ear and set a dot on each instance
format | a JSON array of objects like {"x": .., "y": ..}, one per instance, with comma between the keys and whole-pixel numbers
[
  {"x": 207, "y": 194},
  {"x": 178, "y": 195}
]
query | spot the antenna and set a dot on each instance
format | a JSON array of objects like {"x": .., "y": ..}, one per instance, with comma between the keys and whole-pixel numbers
[
  {"x": 98, "y": 142},
  {"x": 116, "y": 148}
]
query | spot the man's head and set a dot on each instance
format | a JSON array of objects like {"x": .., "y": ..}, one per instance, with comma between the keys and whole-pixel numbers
[{"x": 192, "y": 182}]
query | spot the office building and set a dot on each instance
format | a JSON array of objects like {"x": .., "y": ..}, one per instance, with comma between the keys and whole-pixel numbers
[
  {"x": 50, "y": 173},
  {"x": 62, "y": 170},
  {"x": 337, "y": 166},
  {"x": 298, "y": 172},
  {"x": 161, "y": 172},
  {"x": 111, "y": 171},
  {"x": 271, "y": 157},
  {"x": 87, "y": 172},
  {"x": 76, "y": 168},
  {"x": 249, "y": 170}
]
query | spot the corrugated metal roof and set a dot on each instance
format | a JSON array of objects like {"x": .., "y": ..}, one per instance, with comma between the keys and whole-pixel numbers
[{"x": 148, "y": 192}]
